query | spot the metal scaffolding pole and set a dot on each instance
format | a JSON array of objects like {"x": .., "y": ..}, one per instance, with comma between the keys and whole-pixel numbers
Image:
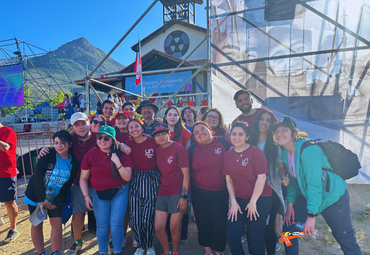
[
  {"x": 183, "y": 85},
  {"x": 208, "y": 9},
  {"x": 96, "y": 93},
  {"x": 123, "y": 37},
  {"x": 112, "y": 87}
]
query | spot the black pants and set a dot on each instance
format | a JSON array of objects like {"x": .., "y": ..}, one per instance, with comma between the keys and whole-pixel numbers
[
  {"x": 270, "y": 235},
  {"x": 255, "y": 228},
  {"x": 337, "y": 216},
  {"x": 210, "y": 209}
]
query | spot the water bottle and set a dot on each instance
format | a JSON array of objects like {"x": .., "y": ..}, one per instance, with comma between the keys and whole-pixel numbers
[
  {"x": 49, "y": 195},
  {"x": 299, "y": 225}
]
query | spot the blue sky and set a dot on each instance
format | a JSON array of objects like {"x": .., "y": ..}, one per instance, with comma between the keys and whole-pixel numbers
[{"x": 49, "y": 24}]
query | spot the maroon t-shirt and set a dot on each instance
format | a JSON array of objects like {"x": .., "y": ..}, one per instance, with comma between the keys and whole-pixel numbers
[
  {"x": 122, "y": 137},
  {"x": 249, "y": 119},
  {"x": 111, "y": 123},
  {"x": 8, "y": 162},
  {"x": 169, "y": 161},
  {"x": 207, "y": 164},
  {"x": 99, "y": 164},
  {"x": 243, "y": 169},
  {"x": 143, "y": 154},
  {"x": 80, "y": 149}
]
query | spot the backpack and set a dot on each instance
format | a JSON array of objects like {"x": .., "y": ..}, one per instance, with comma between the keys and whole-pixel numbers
[
  {"x": 192, "y": 147},
  {"x": 344, "y": 162}
]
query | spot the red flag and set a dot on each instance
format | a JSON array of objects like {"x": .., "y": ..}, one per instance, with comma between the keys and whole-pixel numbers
[{"x": 137, "y": 67}]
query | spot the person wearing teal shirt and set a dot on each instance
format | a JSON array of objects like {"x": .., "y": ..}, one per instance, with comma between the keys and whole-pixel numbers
[{"x": 313, "y": 191}]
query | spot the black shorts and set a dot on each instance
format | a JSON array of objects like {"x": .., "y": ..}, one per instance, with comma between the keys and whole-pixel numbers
[
  {"x": 56, "y": 213},
  {"x": 8, "y": 189}
]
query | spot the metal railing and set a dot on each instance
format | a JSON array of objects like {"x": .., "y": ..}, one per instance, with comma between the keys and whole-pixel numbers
[{"x": 27, "y": 143}]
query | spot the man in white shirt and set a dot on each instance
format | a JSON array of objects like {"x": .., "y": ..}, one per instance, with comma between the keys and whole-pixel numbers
[{"x": 82, "y": 101}]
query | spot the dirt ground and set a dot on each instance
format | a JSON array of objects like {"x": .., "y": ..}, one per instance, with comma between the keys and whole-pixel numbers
[{"x": 324, "y": 244}]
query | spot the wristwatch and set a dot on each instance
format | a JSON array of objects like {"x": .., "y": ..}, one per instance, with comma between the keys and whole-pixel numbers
[
  {"x": 185, "y": 196},
  {"x": 312, "y": 215}
]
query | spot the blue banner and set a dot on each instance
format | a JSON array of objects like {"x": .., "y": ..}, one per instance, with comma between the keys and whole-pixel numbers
[
  {"x": 11, "y": 86},
  {"x": 151, "y": 82}
]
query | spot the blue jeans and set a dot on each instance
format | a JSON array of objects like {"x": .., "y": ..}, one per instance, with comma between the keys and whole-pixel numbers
[{"x": 110, "y": 213}]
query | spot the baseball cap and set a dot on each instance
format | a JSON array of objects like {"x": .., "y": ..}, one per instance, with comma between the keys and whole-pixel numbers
[
  {"x": 124, "y": 113},
  {"x": 285, "y": 122},
  {"x": 108, "y": 130},
  {"x": 78, "y": 116},
  {"x": 160, "y": 128}
]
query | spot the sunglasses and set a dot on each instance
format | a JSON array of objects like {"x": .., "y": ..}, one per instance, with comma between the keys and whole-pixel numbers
[
  {"x": 101, "y": 123},
  {"x": 99, "y": 137},
  {"x": 200, "y": 130}
]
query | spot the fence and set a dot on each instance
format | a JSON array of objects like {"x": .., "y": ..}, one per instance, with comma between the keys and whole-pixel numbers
[{"x": 28, "y": 146}]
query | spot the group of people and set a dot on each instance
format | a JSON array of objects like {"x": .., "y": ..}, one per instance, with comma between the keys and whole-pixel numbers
[
  {"x": 74, "y": 104},
  {"x": 148, "y": 173}
]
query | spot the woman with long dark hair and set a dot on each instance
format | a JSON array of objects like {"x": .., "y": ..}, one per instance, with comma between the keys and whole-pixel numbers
[
  {"x": 209, "y": 195},
  {"x": 144, "y": 186},
  {"x": 108, "y": 170},
  {"x": 97, "y": 121},
  {"x": 313, "y": 190},
  {"x": 49, "y": 186},
  {"x": 215, "y": 120},
  {"x": 178, "y": 131},
  {"x": 262, "y": 138}
]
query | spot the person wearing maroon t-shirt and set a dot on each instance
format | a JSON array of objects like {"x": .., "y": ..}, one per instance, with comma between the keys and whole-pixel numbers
[
  {"x": 8, "y": 178},
  {"x": 108, "y": 170},
  {"x": 204, "y": 102},
  {"x": 208, "y": 187},
  {"x": 121, "y": 120},
  {"x": 144, "y": 186},
  {"x": 215, "y": 120},
  {"x": 245, "y": 167},
  {"x": 244, "y": 102},
  {"x": 108, "y": 111},
  {"x": 97, "y": 121},
  {"x": 178, "y": 132},
  {"x": 173, "y": 198}
]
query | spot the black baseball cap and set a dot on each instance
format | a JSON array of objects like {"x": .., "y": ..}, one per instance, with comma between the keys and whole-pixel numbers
[{"x": 286, "y": 122}]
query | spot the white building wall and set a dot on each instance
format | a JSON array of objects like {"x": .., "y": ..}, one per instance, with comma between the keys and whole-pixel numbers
[{"x": 195, "y": 37}]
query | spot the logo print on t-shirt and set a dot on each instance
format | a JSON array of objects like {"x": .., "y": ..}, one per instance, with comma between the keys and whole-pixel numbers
[
  {"x": 218, "y": 151},
  {"x": 149, "y": 153},
  {"x": 169, "y": 160},
  {"x": 245, "y": 162}
]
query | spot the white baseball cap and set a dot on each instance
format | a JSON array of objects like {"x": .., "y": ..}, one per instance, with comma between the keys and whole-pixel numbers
[{"x": 78, "y": 116}]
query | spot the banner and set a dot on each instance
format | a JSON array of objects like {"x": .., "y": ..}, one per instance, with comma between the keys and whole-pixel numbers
[
  {"x": 306, "y": 59},
  {"x": 11, "y": 86},
  {"x": 151, "y": 82}
]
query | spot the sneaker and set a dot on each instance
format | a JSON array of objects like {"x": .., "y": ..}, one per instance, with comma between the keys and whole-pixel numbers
[
  {"x": 184, "y": 240},
  {"x": 134, "y": 243},
  {"x": 139, "y": 251},
  {"x": 44, "y": 253},
  {"x": 244, "y": 237},
  {"x": 124, "y": 243},
  {"x": 110, "y": 247},
  {"x": 168, "y": 253},
  {"x": 76, "y": 246},
  {"x": 12, "y": 235},
  {"x": 150, "y": 251},
  {"x": 277, "y": 247},
  {"x": 55, "y": 253}
]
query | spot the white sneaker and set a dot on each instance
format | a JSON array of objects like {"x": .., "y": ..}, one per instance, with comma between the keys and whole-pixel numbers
[
  {"x": 150, "y": 251},
  {"x": 134, "y": 243},
  {"x": 139, "y": 251},
  {"x": 124, "y": 243}
]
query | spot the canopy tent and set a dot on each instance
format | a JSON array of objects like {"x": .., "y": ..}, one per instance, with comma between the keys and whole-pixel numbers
[
  {"x": 59, "y": 106},
  {"x": 38, "y": 110}
]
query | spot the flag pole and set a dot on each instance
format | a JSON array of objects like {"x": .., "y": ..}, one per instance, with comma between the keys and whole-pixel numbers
[{"x": 141, "y": 80}]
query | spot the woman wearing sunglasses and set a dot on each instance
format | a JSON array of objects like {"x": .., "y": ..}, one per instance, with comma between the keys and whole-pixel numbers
[
  {"x": 245, "y": 167},
  {"x": 263, "y": 138},
  {"x": 97, "y": 121},
  {"x": 108, "y": 170},
  {"x": 144, "y": 186},
  {"x": 49, "y": 186},
  {"x": 215, "y": 120},
  {"x": 173, "y": 198},
  {"x": 178, "y": 131},
  {"x": 312, "y": 190},
  {"x": 209, "y": 195}
]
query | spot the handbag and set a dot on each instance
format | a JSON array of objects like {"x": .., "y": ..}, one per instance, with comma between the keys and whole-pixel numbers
[{"x": 108, "y": 194}]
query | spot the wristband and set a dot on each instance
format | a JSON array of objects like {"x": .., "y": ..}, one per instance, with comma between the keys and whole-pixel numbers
[
  {"x": 312, "y": 215},
  {"x": 86, "y": 196},
  {"x": 119, "y": 167},
  {"x": 185, "y": 196}
]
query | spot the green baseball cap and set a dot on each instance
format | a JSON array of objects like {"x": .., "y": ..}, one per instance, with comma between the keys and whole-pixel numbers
[{"x": 108, "y": 130}]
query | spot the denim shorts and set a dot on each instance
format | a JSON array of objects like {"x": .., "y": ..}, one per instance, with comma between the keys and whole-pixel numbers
[
  {"x": 169, "y": 204},
  {"x": 8, "y": 189}
]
